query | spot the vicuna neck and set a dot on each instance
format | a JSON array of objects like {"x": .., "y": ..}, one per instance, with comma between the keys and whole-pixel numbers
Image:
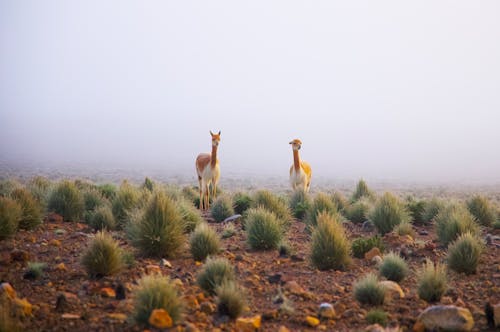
[
  {"x": 296, "y": 160},
  {"x": 213, "y": 159}
]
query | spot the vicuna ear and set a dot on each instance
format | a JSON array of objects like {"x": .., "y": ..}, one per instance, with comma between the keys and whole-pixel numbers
[
  {"x": 218, "y": 133},
  {"x": 211, "y": 133}
]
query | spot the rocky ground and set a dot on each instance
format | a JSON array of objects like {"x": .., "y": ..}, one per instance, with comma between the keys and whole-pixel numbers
[{"x": 65, "y": 299}]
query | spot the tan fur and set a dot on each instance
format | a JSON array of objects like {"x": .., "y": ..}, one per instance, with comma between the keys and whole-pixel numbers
[
  {"x": 300, "y": 171},
  {"x": 208, "y": 171}
]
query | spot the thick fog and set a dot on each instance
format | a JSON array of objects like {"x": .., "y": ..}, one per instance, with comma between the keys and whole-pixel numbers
[{"x": 374, "y": 89}]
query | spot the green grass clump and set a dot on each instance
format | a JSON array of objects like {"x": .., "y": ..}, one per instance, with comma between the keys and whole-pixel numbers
[
  {"x": 285, "y": 248},
  {"x": 482, "y": 210},
  {"x": 159, "y": 229},
  {"x": 362, "y": 245},
  {"x": 228, "y": 231},
  {"x": 93, "y": 199},
  {"x": 108, "y": 191},
  {"x": 230, "y": 300},
  {"x": 453, "y": 221},
  {"x": 7, "y": 186},
  {"x": 156, "y": 292},
  {"x": 222, "y": 208},
  {"x": 36, "y": 269},
  {"x": 388, "y": 212},
  {"x": 393, "y": 267},
  {"x": 103, "y": 256},
  {"x": 40, "y": 188},
  {"x": 264, "y": 230},
  {"x": 190, "y": 214},
  {"x": 330, "y": 247},
  {"x": 340, "y": 202},
  {"x": 432, "y": 208},
  {"x": 31, "y": 210},
  {"x": 10, "y": 214},
  {"x": 368, "y": 291},
  {"x": 362, "y": 190},
  {"x": 416, "y": 208},
  {"x": 102, "y": 218},
  {"x": 299, "y": 204},
  {"x": 359, "y": 210},
  {"x": 126, "y": 200},
  {"x": 405, "y": 228},
  {"x": 431, "y": 281},
  {"x": 203, "y": 242},
  {"x": 191, "y": 194},
  {"x": 321, "y": 203},
  {"x": 377, "y": 316},
  {"x": 148, "y": 184},
  {"x": 496, "y": 224},
  {"x": 464, "y": 253},
  {"x": 67, "y": 201},
  {"x": 215, "y": 272},
  {"x": 241, "y": 202},
  {"x": 273, "y": 203}
]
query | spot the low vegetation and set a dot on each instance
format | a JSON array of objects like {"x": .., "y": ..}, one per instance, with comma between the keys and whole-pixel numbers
[
  {"x": 405, "y": 228},
  {"x": 230, "y": 300},
  {"x": 31, "y": 211},
  {"x": 367, "y": 290},
  {"x": 453, "y": 221},
  {"x": 377, "y": 316},
  {"x": 432, "y": 208},
  {"x": 103, "y": 256},
  {"x": 222, "y": 208},
  {"x": 241, "y": 202},
  {"x": 320, "y": 204},
  {"x": 102, "y": 219},
  {"x": 388, "y": 212},
  {"x": 416, "y": 208},
  {"x": 393, "y": 267},
  {"x": 263, "y": 229},
  {"x": 215, "y": 273},
  {"x": 362, "y": 245},
  {"x": 432, "y": 281},
  {"x": 464, "y": 253},
  {"x": 10, "y": 214},
  {"x": 274, "y": 204},
  {"x": 482, "y": 210},
  {"x": 67, "y": 200},
  {"x": 361, "y": 191},
  {"x": 203, "y": 242},
  {"x": 125, "y": 201},
  {"x": 359, "y": 210}
]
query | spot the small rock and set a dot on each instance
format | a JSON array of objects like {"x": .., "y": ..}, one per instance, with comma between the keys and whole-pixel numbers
[
  {"x": 24, "y": 306},
  {"x": 191, "y": 301},
  {"x": 275, "y": 278},
  {"x": 248, "y": 324},
  {"x": 297, "y": 258},
  {"x": 391, "y": 289},
  {"x": 8, "y": 289},
  {"x": 61, "y": 267},
  {"x": 70, "y": 316},
  {"x": 377, "y": 260},
  {"x": 55, "y": 243},
  {"x": 117, "y": 316},
  {"x": 165, "y": 263},
  {"x": 152, "y": 268},
  {"x": 19, "y": 255},
  {"x": 446, "y": 317},
  {"x": 374, "y": 328},
  {"x": 120, "y": 292},
  {"x": 446, "y": 300},
  {"x": 61, "y": 303},
  {"x": 312, "y": 321},
  {"x": 60, "y": 231},
  {"x": 283, "y": 329},
  {"x": 368, "y": 226},
  {"x": 178, "y": 282},
  {"x": 232, "y": 218},
  {"x": 270, "y": 315},
  {"x": 489, "y": 239},
  {"x": 372, "y": 253},
  {"x": 107, "y": 292},
  {"x": 207, "y": 307},
  {"x": 191, "y": 328},
  {"x": 326, "y": 311},
  {"x": 160, "y": 319},
  {"x": 238, "y": 258},
  {"x": 294, "y": 288}
]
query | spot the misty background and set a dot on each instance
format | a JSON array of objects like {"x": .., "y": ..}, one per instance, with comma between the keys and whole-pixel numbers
[{"x": 386, "y": 90}]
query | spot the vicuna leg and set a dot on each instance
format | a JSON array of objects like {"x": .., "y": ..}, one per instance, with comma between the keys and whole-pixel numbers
[{"x": 201, "y": 192}]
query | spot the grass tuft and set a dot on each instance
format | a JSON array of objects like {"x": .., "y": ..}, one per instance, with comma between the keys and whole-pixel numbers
[
  {"x": 393, "y": 267},
  {"x": 431, "y": 281},
  {"x": 102, "y": 218},
  {"x": 67, "y": 200},
  {"x": 362, "y": 245},
  {"x": 482, "y": 210},
  {"x": 273, "y": 203},
  {"x": 230, "y": 300},
  {"x": 361, "y": 191},
  {"x": 432, "y": 208},
  {"x": 125, "y": 201},
  {"x": 264, "y": 230},
  {"x": 299, "y": 203},
  {"x": 31, "y": 210},
  {"x": 103, "y": 256},
  {"x": 358, "y": 211},
  {"x": 203, "y": 242},
  {"x": 241, "y": 202},
  {"x": 464, "y": 253},
  {"x": 222, "y": 208},
  {"x": 377, "y": 316},
  {"x": 10, "y": 214},
  {"x": 453, "y": 221},
  {"x": 388, "y": 212},
  {"x": 321, "y": 204},
  {"x": 368, "y": 291},
  {"x": 215, "y": 272}
]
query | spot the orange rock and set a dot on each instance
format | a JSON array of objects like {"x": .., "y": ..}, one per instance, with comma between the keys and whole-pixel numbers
[
  {"x": 160, "y": 319},
  {"x": 8, "y": 289},
  {"x": 248, "y": 324},
  {"x": 372, "y": 253},
  {"x": 312, "y": 321},
  {"x": 55, "y": 243},
  {"x": 25, "y": 307},
  {"x": 283, "y": 329},
  {"x": 107, "y": 292},
  {"x": 70, "y": 316},
  {"x": 61, "y": 267},
  {"x": 118, "y": 316},
  {"x": 152, "y": 268},
  {"x": 418, "y": 327},
  {"x": 192, "y": 301}
]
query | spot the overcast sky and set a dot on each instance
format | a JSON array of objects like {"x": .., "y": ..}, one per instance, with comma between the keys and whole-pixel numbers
[{"x": 374, "y": 89}]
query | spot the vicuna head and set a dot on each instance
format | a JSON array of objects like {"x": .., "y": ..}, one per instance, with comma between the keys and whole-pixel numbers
[
  {"x": 296, "y": 144},
  {"x": 215, "y": 138}
]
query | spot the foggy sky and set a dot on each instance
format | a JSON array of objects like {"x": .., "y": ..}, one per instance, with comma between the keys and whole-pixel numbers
[{"x": 374, "y": 89}]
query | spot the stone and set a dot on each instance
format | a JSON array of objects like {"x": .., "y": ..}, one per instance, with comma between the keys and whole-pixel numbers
[
  {"x": 423, "y": 232},
  {"x": 107, "y": 292},
  {"x": 248, "y": 324},
  {"x": 312, "y": 321},
  {"x": 24, "y": 306},
  {"x": 207, "y": 307},
  {"x": 372, "y": 253},
  {"x": 61, "y": 303},
  {"x": 275, "y": 278},
  {"x": 377, "y": 260},
  {"x": 294, "y": 288},
  {"x": 488, "y": 239},
  {"x": 61, "y": 267},
  {"x": 19, "y": 255},
  {"x": 326, "y": 311},
  {"x": 152, "y": 268},
  {"x": 55, "y": 243},
  {"x": 70, "y": 316},
  {"x": 117, "y": 316},
  {"x": 446, "y": 317},
  {"x": 283, "y": 329},
  {"x": 368, "y": 226},
  {"x": 191, "y": 301},
  {"x": 160, "y": 319},
  {"x": 165, "y": 263},
  {"x": 121, "y": 293},
  {"x": 446, "y": 300},
  {"x": 8, "y": 289},
  {"x": 232, "y": 218},
  {"x": 392, "y": 289},
  {"x": 190, "y": 327},
  {"x": 270, "y": 314}
]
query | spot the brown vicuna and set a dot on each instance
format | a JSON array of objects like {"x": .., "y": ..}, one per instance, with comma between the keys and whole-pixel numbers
[
  {"x": 207, "y": 168},
  {"x": 300, "y": 172}
]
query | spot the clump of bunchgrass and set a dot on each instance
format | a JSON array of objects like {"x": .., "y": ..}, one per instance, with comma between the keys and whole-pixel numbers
[
  {"x": 156, "y": 292},
  {"x": 416, "y": 208},
  {"x": 320, "y": 204},
  {"x": 148, "y": 184},
  {"x": 377, "y": 316},
  {"x": 432, "y": 208},
  {"x": 102, "y": 218},
  {"x": 362, "y": 190},
  {"x": 108, "y": 191},
  {"x": 388, "y": 212},
  {"x": 10, "y": 214},
  {"x": 285, "y": 249},
  {"x": 31, "y": 210},
  {"x": 158, "y": 230},
  {"x": 273, "y": 203},
  {"x": 125, "y": 201},
  {"x": 482, "y": 210},
  {"x": 215, "y": 272},
  {"x": 359, "y": 210},
  {"x": 203, "y": 242},
  {"x": 230, "y": 300},
  {"x": 453, "y": 221},
  {"x": 241, "y": 202},
  {"x": 330, "y": 247},
  {"x": 67, "y": 201},
  {"x": 35, "y": 270},
  {"x": 299, "y": 204},
  {"x": 340, "y": 202},
  {"x": 222, "y": 208},
  {"x": 191, "y": 194},
  {"x": 103, "y": 256},
  {"x": 431, "y": 281},
  {"x": 40, "y": 188},
  {"x": 464, "y": 253},
  {"x": 7, "y": 186},
  {"x": 367, "y": 290},
  {"x": 362, "y": 245},
  {"x": 228, "y": 231},
  {"x": 190, "y": 214},
  {"x": 405, "y": 228},
  {"x": 393, "y": 267},
  {"x": 264, "y": 230}
]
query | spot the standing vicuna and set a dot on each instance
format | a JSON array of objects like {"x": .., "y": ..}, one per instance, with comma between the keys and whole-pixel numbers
[
  {"x": 207, "y": 168},
  {"x": 300, "y": 172}
]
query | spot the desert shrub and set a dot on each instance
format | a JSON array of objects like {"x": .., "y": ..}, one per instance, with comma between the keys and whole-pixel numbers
[
  {"x": 7, "y": 186},
  {"x": 203, "y": 242},
  {"x": 102, "y": 218},
  {"x": 272, "y": 203},
  {"x": 103, "y": 256},
  {"x": 453, "y": 221},
  {"x": 10, "y": 214},
  {"x": 31, "y": 215},
  {"x": 190, "y": 214},
  {"x": 330, "y": 248},
  {"x": 360, "y": 246},
  {"x": 108, "y": 191},
  {"x": 377, "y": 316},
  {"x": 215, "y": 272},
  {"x": 321, "y": 203},
  {"x": 191, "y": 194},
  {"x": 228, "y": 231},
  {"x": 464, "y": 253},
  {"x": 388, "y": 212},
  {"x": 92, "y": 199},
  {"x": 67, "y": 201},
  {"x": 368, "y": 290},
  {"x": 285, "y": 248},
  {"x": 431, "y": 281},
  {"x": 40, "y": 188},
  {"x": 222, "y": 208},
  {"x": 148, "y": 184},
  {"x": 362, "y": 190},
  {"x": 241, "y": 202},
  {"x": 416, "y": 208},
  {"x": 299, "y": 203},
  {"x": 156, "y": 292},
  {"x": 158, "y": 230},
  {"x": 393, "y": 267},
  {"x": 35, "y": 270},
  {"x": 126, "y": 200},
  {"x": 482, "y": 210},
  {"x": 230, "y": 300},
  {"x": 405, "y": 228},
  {"x": 264, "y": 230},
  {"x": 173, "y": 191},
  {"x": 340, "y": 202},
  {"x": 359, "y": 210},
  {"x": 431, "y": 210}
]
